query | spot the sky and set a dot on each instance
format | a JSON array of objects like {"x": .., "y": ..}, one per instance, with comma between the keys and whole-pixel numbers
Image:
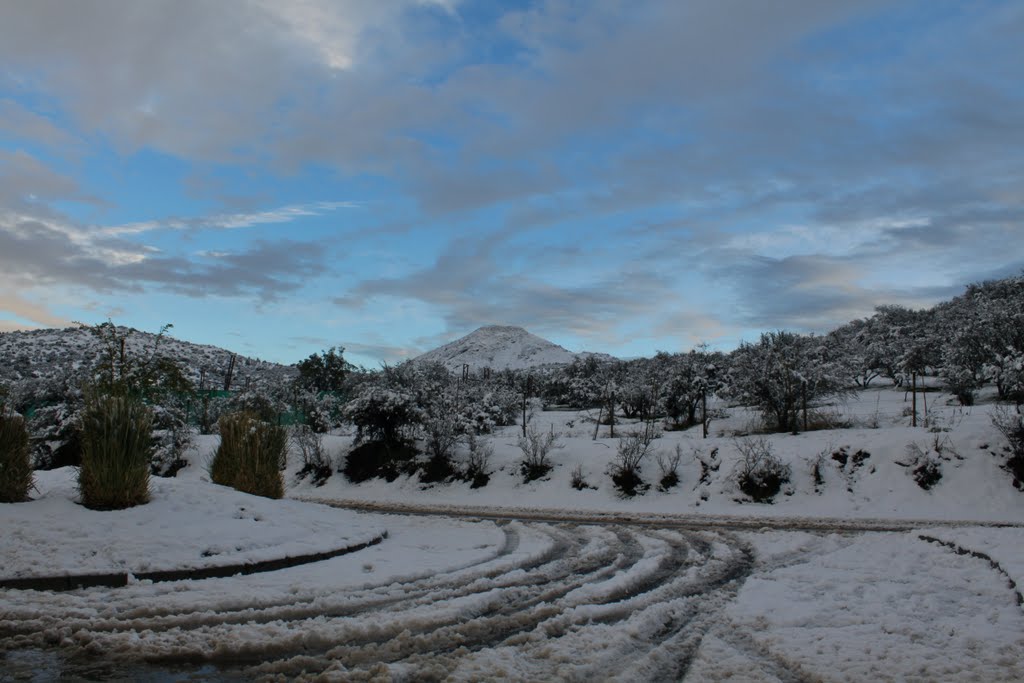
[{"x": 283, "y": 176}]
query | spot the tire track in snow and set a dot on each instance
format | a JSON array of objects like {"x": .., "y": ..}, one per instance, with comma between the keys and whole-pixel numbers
[
  {"x": 251, "y": 611},
  {"x": 643, "y": 597}
]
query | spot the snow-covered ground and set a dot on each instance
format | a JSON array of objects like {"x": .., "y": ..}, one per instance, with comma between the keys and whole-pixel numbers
[
  {"x": 533, "y": 601},
  {"x": 186, "y": 524},
  {"x": 445, "y": 598},
  {"x": 974, "y": 487}
]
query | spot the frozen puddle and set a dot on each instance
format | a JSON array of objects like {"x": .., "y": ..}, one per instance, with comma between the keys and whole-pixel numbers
[{"x": 460, "y": 600}]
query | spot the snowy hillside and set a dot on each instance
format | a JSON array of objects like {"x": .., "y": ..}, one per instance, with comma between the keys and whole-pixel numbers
[
  {"x": 501, "y": 347},
  {"x": 61, "y": 354}
]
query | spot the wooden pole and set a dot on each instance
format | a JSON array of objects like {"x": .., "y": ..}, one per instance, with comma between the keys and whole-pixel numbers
[
  {"x": 913, "y": 403},
  {"x": 804, "y": 398},
  {"x": 924, "y": 397},
  {"x": 704, "y": 413},
  {"x": 611, "y": 417}
]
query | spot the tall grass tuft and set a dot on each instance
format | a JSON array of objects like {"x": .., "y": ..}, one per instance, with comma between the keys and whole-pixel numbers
[
  {"x": 116, "y": 450},
  {"x": 15, "y": 462},
  {"x": 251, "y": 455}
]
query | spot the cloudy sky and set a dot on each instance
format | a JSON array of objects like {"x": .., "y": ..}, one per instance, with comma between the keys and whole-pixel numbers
[{"x": 280, "y": 176}]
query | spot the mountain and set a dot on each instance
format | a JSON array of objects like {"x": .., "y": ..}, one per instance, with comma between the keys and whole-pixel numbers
[
  {"x": 60, "y": 355},
  {"x": 502, "y": 347}
]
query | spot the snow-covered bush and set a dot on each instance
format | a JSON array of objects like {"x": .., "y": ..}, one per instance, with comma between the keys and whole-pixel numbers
[
  {"x": 442, "y": 427},
  {"x": 924, "y": 466},
  {"x": 577, "y": 480},
  {"x": 1011, "y": 425},
  {"x": 385, "y": 414},
  {"x": 116, "y": 452},
  {"x": 15, "y": 460},
  {"x": 263, "y": 403},
  {"x": 478, "y": 463},
  {"x": 309, "y": 443},
  {"x": 709, "y": 464},
  {"x": 536, "y": 446},
  {"x": 627, "y": 466},
  {"x": 486, "y": 406},
  {"x": 924, "y": 463},
  {"x": 56, "y": 441},
  {"x": 668, "y": 465},
  {"x": 250, "y": 456},
  {"x": 172, "y": 436},
  {"x": 760, "y": 474}
]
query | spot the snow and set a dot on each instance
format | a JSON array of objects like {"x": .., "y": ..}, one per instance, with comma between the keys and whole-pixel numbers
[
  {"x": 875, "y": 607},
  {"x": 622, "y": 594},
  {"x": 974, "y": 486},
  {"x": 186, "y": 524},
  {"x": 501, "y": 347},
  {"x": 1005, "y": 546}
]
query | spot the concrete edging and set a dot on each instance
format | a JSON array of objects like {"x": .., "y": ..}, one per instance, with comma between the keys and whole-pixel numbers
[{"x": 120, "y": 579}]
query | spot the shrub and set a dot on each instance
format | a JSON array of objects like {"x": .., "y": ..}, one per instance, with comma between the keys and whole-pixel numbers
[
  {"x": 925, "y": 464},
  {"x": 172, "y": 436},
  {"x": 1011, "y": 426},
  {"x": 818, "y": 470},
  {"x": 251, "y": 455},
  {"x": 669, "y": 467},
  {"x": 761, "y": 474},
  {"x": 376, "y": 459},
  {"x": 438, "y": 468},
  {"x": 315, "y": 462},
  {"x": 383, "y": 414},
  {"x": 15, "y": 461},
  {"x": 578, "y": 481},
  {"x": 55, "y": 435},
  {"x": 116, "y": 448},
  {"x": 625, "y": 470},
  {"x": 536, "y": 447},
  {"x": 477, "y": 470},
  {"x": 709, "y": 464}
]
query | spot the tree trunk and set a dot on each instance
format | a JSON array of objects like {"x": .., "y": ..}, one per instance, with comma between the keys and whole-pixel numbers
[
  {"x": 804, "y": 398},
  {"x": 704, "y": 413},
  {"x": 913, "y": 403}
]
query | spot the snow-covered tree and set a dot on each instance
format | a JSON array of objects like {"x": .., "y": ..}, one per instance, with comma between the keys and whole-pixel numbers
[{"x": 782, "y": 374}]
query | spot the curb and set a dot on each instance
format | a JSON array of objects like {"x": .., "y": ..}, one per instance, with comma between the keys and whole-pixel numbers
[
  {"x": 119, "y": 580},
  {"x": 959, "y": 550}
]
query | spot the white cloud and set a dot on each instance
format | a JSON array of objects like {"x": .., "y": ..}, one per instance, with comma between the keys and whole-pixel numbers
[{"x": 232, "y": 221}]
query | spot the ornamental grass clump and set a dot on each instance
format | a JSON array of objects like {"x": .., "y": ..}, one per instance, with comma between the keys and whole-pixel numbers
[
  {"x": 251, "y": 455},
  {"x": 15, "y": 462},
  {"x": 117, "y": 445}
]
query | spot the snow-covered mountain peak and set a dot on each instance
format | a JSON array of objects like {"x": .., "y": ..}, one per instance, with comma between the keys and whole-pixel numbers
[{"x": 501, "y": 347}]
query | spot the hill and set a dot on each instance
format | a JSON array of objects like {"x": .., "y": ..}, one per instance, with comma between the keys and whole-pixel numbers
[
  {"x": 62, "y": 355},
  {"x": 502, "y": 347}
]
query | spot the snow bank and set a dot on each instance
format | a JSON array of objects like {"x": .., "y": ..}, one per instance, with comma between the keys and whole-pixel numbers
[
  {"x": 187, "y": 523},
  {"x": 876, "y": 484}
]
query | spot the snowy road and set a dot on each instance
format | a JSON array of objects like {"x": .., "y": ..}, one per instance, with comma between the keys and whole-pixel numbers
[{"x": 541, "y": 601}]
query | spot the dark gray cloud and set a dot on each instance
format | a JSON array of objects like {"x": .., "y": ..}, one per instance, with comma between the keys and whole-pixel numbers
[
  {"x": 38, "y": 251},
  {"x": 470, "y": 284}
]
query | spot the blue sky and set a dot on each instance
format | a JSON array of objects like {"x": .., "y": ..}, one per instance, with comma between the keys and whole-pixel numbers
[{"x": 278, "y": 177}]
